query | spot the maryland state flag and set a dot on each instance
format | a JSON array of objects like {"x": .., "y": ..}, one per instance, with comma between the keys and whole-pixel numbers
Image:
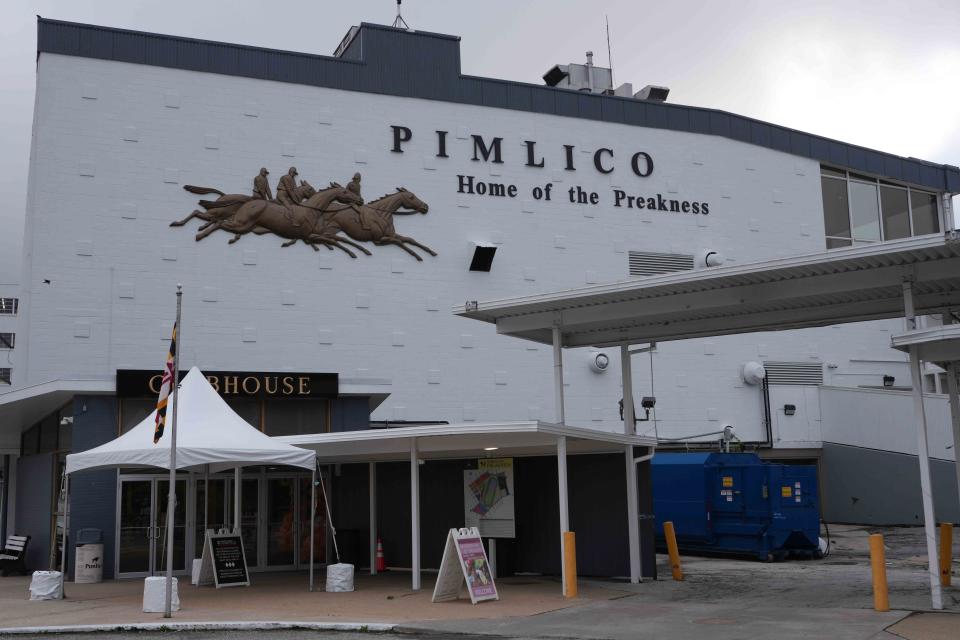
[{"x": 165, "y": 387}]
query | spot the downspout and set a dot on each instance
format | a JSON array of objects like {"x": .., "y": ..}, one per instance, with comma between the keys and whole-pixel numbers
[{"x": 767, "y": 418}]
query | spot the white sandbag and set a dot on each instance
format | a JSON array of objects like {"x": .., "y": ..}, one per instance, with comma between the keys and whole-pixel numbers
[
  {"x": 339, "y": 578},
  {"x": 155, "y": 595},
  {"x": 45, "y": 585}
]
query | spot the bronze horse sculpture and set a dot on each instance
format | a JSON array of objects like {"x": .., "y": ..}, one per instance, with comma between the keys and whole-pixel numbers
[
  {"x": 299, "y": 222},
  {"x": 228, "y": 203},
  {"x": 374, "y": 221}
]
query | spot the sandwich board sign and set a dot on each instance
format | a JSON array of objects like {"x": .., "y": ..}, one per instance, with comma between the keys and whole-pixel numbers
[
  {"x": 465, "y": 560},
  {"x": 223, "y": 561}
]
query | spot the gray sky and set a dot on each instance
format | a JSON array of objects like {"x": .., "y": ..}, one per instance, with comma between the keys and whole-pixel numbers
[{"x": 883, "y": 74}]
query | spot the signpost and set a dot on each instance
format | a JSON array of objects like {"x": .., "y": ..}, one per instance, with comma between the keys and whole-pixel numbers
[
  {"x": 465, "y": 560},
  {"x": 223, "y": 562}
]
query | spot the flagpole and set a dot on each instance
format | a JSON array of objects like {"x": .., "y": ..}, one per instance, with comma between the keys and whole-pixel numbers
[{"x": 172, "y": 494}]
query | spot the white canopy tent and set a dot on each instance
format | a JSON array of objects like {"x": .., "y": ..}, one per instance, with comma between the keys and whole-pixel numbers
[{"x": 210, "y": 437}]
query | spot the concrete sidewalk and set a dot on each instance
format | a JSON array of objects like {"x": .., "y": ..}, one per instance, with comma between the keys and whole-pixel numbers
[{"x": 281, "y": 596}]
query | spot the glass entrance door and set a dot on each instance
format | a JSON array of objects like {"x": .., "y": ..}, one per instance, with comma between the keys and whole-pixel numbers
[
  {"x": 135, "y": 539},
  {"x": 141, "y": 548},
  {"x": 319, "y": 528}
]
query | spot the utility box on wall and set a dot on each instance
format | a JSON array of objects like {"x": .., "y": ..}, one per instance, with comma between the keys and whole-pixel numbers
[{"x": 735, "y": 503}]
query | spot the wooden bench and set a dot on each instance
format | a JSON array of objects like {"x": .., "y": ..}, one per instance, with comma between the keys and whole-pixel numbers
[{"x": 13, "y": 555}]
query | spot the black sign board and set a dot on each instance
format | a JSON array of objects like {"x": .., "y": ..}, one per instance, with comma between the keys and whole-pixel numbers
[
  {"x": 223, "y": 561},
  {"x": 243, "y": 384},
  {"x": 229, "y": 563}
]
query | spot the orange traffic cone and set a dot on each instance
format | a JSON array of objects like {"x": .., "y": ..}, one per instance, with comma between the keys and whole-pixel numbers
[{"x": 381, "y": 561}]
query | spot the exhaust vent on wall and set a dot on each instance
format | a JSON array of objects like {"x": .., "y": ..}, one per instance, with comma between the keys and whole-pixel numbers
[
  {"x": 795, "y": 373},
  {"x": 649, "y": 263}
]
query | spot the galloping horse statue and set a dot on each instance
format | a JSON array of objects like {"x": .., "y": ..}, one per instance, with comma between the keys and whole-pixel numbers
[
  {"x": 373, "y": 221},
  {"x": 300, "y": 222},
  {"x": 228, "y": 203}
]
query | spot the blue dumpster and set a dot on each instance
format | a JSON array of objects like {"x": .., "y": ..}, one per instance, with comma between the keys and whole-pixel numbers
[{"x": 737, "y": 504}]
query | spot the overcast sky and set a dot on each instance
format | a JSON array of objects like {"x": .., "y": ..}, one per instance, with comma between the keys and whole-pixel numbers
[{"x": 881, "y": 74}]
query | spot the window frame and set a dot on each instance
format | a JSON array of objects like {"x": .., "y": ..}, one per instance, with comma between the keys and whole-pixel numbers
[
  {"x": 14, "y": 305},
  {"x": 827, "y": 171},
  {"x": 8, "y": 380},
  {"x": 8, "y": 346}
]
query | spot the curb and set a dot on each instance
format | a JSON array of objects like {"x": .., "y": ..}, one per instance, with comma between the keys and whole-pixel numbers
[{"x": 374, "y": 627}]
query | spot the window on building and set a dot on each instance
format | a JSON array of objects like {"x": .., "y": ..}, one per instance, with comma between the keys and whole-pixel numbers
[
  {"x": 926, "y": 216},
  {"x": 858, "y": 209},
  {"x": 6, "y": 340},
  {"x": 836, "y": 210},
  {"x": 8, "y": 306},
  {"x": 896, "y": 211},
  {"x": 5, "y": 374}
]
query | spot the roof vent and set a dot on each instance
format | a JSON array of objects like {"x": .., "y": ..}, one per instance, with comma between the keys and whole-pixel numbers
[{"x": 653, "y": 93}]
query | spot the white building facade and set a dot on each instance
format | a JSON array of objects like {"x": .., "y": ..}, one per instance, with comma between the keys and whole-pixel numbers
[{"x": 563, "y": 188}]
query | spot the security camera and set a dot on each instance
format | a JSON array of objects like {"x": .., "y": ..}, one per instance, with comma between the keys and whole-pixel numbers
[
  {"x": 648, "y": 402},
  {"x": 599, "y": 361}
]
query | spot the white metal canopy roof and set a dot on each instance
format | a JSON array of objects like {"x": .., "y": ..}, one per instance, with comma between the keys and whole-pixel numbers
[
  {"x": 455, "y": 441},
  {"x": 208, "y": 433},
  {"x": 844, "y": 285},
  {"x": 936, "y": 344}
]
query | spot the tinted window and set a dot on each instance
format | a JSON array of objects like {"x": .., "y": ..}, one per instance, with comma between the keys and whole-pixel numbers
[
  {"x": 836, "y": 216},
  {"x": 926, "y": 218},
  {"x": 896, "y": 212}
]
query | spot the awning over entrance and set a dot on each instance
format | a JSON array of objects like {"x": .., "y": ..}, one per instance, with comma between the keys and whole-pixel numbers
[
  {"x": 844, "y": 285},
  {"x": 468, "y": 440},
  {"x": 473, "y": 440}
]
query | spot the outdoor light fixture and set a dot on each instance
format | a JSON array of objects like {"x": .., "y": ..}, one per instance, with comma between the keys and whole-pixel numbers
[
  {"x": 888, "y": 381},
  {"x": 490, "y": 448},
  {"x": 470, "y": 305},
  {"x": 789, "y": 409}
]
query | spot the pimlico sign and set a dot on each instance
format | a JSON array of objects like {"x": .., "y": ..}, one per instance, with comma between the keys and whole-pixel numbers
[{"x": 604, "y": 161}]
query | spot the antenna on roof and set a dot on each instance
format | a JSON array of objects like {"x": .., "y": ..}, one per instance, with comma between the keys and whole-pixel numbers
[
  {"x": 609, "y": 57},
  {"x": 399, "y": 22}
]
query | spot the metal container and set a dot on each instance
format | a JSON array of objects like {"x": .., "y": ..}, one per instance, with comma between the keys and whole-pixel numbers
[{"x": 737, "y": 504}]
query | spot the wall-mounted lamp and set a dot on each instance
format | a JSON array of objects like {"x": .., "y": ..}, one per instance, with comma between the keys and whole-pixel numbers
[
  {"x": 888, "y": 381},
  {"x": 789, "y": 409},
  {"x": 490, "y": 448}
]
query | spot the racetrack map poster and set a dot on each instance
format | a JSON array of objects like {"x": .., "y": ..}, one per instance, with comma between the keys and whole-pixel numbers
[{"x": 488, "y": 498}]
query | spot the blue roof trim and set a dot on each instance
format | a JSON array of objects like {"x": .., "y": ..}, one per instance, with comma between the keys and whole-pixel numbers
[{"x": 419, "y": 64}]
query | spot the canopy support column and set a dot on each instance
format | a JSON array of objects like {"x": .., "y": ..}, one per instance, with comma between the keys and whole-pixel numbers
[
  {"x": 373, "y": 518},
  {"x": 626, "y": 378},
  {"x": 313, "y": 517},
  {"x": 66, "y": 529},
  {"x": 923, "y": 457},
  {"x": 952, "y": 388},
  {"x": 206, "y": 498},
  {"x": 236, "y": 499},
  {"x": 414, "y": 516},
  {"x": 558, "y": 375},
  {"x": 633, "y": 515},
  {"x": 564, "y": 507}
]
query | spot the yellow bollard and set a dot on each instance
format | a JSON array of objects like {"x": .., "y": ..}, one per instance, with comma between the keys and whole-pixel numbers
[
  {"x": 570, "y": 562},
  {"x": 878, "y": 562},
  {"x": 671, "y": 537},
  {"x": 946, "y": 553}
]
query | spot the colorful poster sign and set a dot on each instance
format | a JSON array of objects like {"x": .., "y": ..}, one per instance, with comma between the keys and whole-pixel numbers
[
  {"x": 488, "y": 498},
  {"x": 465, "y": 561}
]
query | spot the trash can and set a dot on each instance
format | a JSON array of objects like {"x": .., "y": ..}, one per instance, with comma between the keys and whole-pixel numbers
[{"x": 88, "y": 566}]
